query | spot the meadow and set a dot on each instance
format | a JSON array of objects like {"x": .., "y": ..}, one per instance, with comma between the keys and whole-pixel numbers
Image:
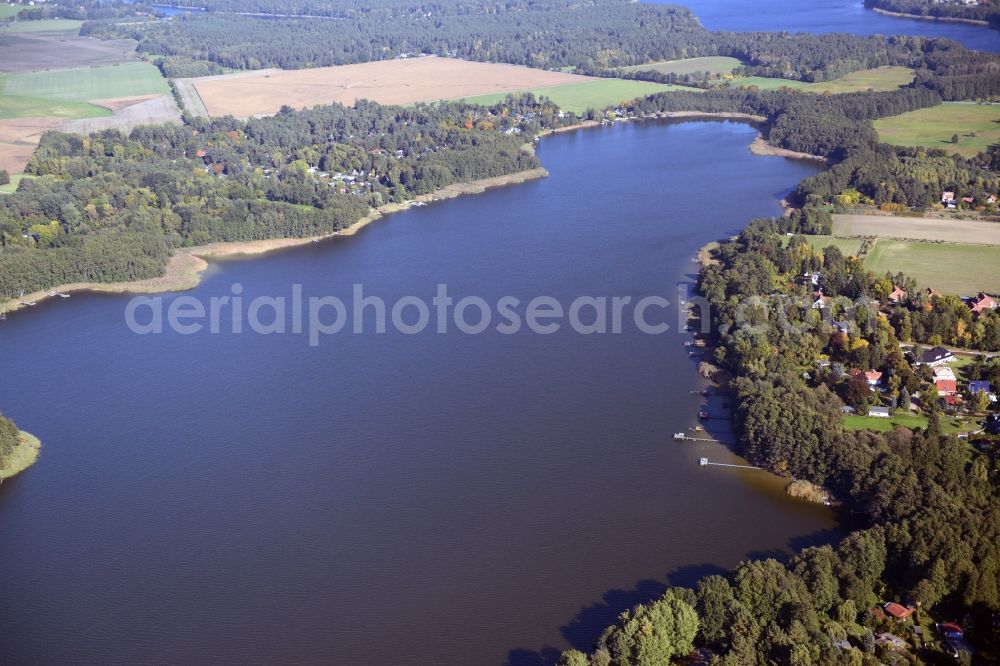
[
  {"x": 880, "y": 78},
  {"x": 44, "y": 25},
  {"x": 712, "y": 64},
  {"x": 578, "y": 97},
  {"x": 848, "y": 246},
  {"x": 918, "y": 228},
  {"x": 948, "y": 267},
  {"x": 88, "y": 84},
  {"x": 977, "y": 126},
  {"x": 7, "y": 11},
  {"x": 911, "y": 421}
]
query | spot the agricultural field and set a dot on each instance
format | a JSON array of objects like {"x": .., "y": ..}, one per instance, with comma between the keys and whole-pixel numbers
[
  {"x": 89, "y": 84},
  {"x": 6, "y": 10},
  {"x": 77, "y": 100},
  {"x": 712, "y": 64},
  {"x": 880, "y": 78},
  {"x": 29, "y": 51},
  {"x": 977, "y": 126},
  {"x": 389, "y": 82},
  {"x": 918, "y": 228},
  {"x": 44, "y": 25},
  {"x": 594, "y": 94},
  {"x": 948, "y": 267}
]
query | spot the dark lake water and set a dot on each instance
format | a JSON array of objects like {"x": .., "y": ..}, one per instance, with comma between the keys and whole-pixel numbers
[
  {"x": 831, "y": 16},
  {"x": 394, "y": 499}
]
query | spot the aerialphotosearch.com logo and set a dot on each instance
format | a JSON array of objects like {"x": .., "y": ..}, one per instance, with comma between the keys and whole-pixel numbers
[{"x": 319, "y": 316}]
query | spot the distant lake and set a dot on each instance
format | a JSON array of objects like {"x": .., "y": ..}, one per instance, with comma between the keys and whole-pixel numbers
[
  {"x": 831, "y": 16},
  {"x": 391, "y": 499},
  {"x": 172, "y": 10}
]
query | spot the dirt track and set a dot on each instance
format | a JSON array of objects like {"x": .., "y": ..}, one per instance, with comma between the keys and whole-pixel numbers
[
  {"x": 389, "y": 82},
  {"x": 144, "y": 110},
  {"x": 918, "y": 228}
]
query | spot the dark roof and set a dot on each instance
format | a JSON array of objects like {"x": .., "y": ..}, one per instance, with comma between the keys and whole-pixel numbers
[{"x": 934, "y": 354}]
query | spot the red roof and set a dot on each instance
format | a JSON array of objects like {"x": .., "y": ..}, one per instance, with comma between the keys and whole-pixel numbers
[
  {"x": 982, "y": 302},
  {"x": 897, "y": 295},
  {"x": 897, "y": 611},
  {"x": 873, "y": 376},
  {"x": 951, "y": 626}
]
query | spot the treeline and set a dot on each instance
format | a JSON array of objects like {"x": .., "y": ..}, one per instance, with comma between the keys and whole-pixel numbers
[
  {"x": 110, "y": 206},
  {"x": 983, "y": 11},
  {"x": 9, "y": 438},
  {"x": 930, "y": 502}
]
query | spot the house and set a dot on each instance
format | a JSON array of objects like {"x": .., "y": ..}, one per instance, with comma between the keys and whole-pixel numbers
[
  {"x": 953, "y": 400},
  {"x": 936, "y": 356},
  {"x": 812, "y": 278},
  {"x": 821, "y": 301},
  {"x": 991, "y": 199},
  {"x": 979, "y": 386},
  {"x": 944, "y": 381},
  {"x": 879, "y": 412},
  {"x": 983, "y": 302},
  {"x": 968, "y": 200},
  {"x": 847, "y": 409},
  {"x": 873, "y": 377},
  {"x": 897, "y": 611},
  {"x": 897, "y": 295},
  {"x": 947, "y": 196}
]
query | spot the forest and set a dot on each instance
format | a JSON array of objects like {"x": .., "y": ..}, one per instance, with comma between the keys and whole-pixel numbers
[
  {"x": 931, "y": 512},
  {"x": 111, "y": 207},
  {"x": 9, "y": 438}
]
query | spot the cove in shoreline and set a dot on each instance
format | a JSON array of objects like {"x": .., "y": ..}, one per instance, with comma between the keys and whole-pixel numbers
[{"x": 22, "y": 457}]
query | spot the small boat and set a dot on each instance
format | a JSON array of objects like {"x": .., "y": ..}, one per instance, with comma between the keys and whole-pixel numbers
[
  {"x": 62, "y": 295},
  {"x": 698, "y": 429},
  {"x": 703, "y": 462},
  {"x": 703, "y": 415},
  {"x": 678, "y": 435}
]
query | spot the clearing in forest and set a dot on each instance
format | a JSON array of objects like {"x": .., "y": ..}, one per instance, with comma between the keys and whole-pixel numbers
[{"x": 977, "y": 126}]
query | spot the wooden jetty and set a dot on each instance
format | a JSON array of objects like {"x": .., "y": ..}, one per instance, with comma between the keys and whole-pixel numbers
[{"x": 704, "y": 462}]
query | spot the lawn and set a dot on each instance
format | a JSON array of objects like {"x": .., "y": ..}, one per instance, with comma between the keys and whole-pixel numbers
[
  {"x": 87, "y": 84},
  {"x": 911, "y": 421},
  {"x": 766, "y": 83},
  {"x": 578, "y": 97},
  {"x": 849, "y": 246},
  {"x": 9, "y": 10},
  {"x": 948, "y": 267},
  {"x": 712, "y": 64},
  {"x": 977, "y": 126},
  {"x": 45, "y": 25}
]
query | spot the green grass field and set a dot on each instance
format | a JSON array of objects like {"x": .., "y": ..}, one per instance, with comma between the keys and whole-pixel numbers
[
  {"x": 849, "y": 246},
  {"x": 84, "y": 85},
  {"x": 578, "y": 97},
  {"x": 713, "y": 64},
  {"x": 10, "y": 187},
  {"x": 27, "y": 107},
  {"x": 45, "y": 25},
  {"x": 948, "y": 267},
  {"x": 880, "y": 78},
  {"x": 9, "y": 10},
  {"x": 860, "y": 422},
  {"x": 934, "y": 127}
]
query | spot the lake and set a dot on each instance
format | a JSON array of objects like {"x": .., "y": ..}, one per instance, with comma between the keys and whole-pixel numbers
[
  {"x": 821, "y": 16},
  {"x": 395, "y": 499}
]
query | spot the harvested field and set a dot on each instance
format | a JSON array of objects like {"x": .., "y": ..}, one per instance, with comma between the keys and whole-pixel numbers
[
  {"x": 26, "y": 52},
  {"x": 44, "y": 25},
  {"x": 18, "y": 138},
  {"x": 389, "y": 82},
  {"x": 592, "y": 94},
  {"x": 918, "y": 228},
  {"x": 143, "y": 110}
]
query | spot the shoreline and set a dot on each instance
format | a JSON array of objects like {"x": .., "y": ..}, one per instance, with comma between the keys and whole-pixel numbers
[
  {"x": 762, "y": 148},
  {"x": 24, "y": 455},
  {"x": 183, "y": 271},
  {"x": 942, "y": 19}
]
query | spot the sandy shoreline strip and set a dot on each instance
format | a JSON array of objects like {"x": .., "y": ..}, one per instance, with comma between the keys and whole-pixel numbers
[
  {"x": 943, "y": 19},
  {"x": 761, "y": 147},
  {"x": 184, "y": 269}
]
